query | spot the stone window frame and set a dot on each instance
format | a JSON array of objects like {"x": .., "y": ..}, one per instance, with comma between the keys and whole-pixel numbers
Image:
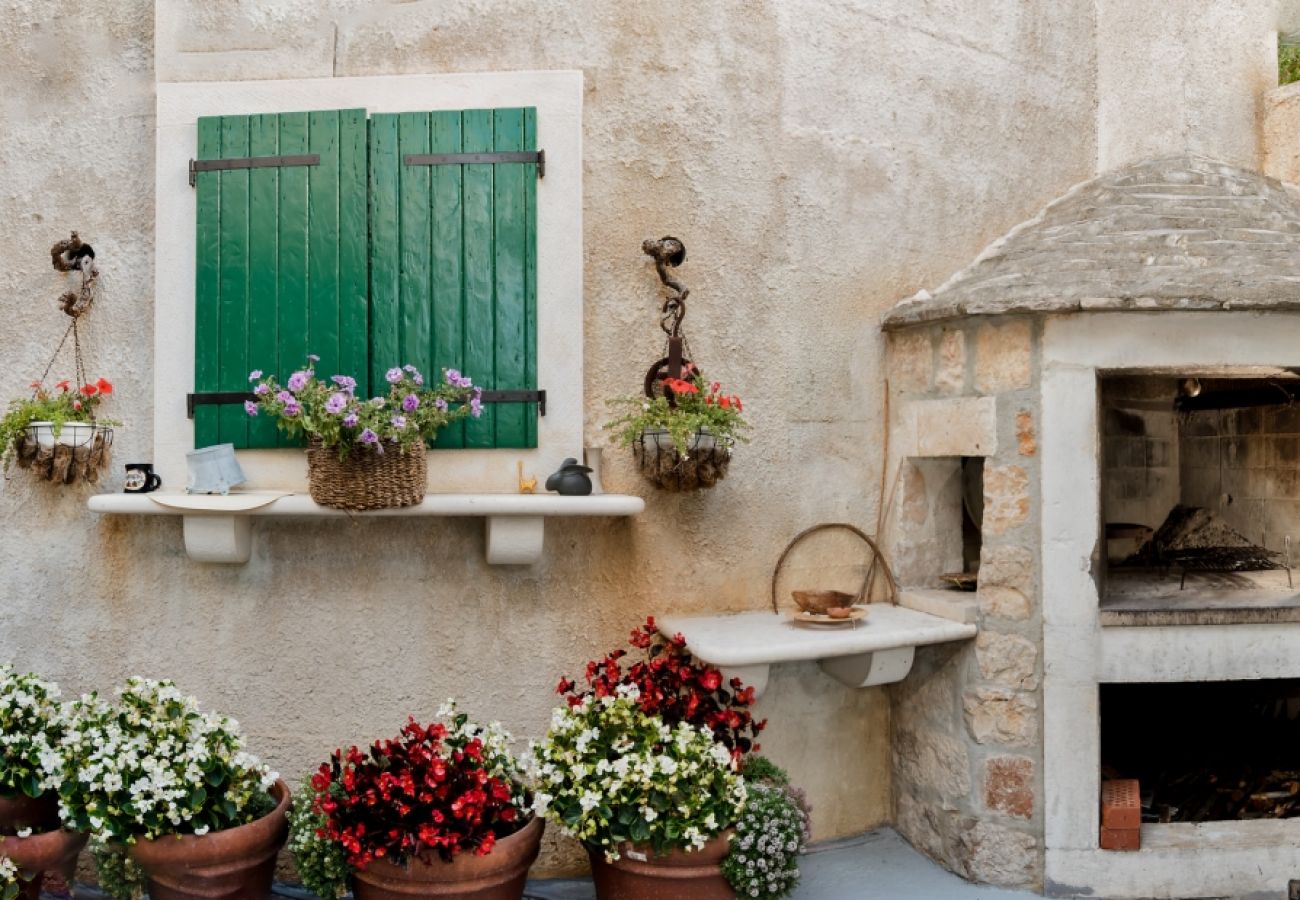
[
  {"x": 557, "y": 96},
  {"x": 1079, "y": 654}
]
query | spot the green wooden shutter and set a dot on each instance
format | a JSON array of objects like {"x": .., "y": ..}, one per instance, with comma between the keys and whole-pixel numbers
[
  {"x": 453, "y": 261},
  {"x": 281, "y": 268}
]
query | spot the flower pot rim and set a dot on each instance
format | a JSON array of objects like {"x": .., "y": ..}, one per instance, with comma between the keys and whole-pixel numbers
[
  {"x": 215, "y": 845},
  {"x": 507, "y": 862},
  {"x": 721, "y": 840},
  {"x": 534, "y": 824}
]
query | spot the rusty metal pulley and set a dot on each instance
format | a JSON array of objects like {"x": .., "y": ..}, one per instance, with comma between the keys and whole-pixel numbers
[{"x": 668, "y": 253}]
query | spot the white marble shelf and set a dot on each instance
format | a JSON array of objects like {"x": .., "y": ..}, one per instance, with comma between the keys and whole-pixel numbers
[
  {"x": 876, "y": 650},
  {"x": 219, "y": 529}
]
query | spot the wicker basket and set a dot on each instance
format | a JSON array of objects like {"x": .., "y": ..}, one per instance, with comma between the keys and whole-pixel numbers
[
  {"x": 704, "y": 464},
  {"x": 80, "y": 452},
  {"x": 366, "y": 479}
]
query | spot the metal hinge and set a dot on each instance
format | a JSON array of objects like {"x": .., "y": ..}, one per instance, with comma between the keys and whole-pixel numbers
[
  {"x": 250, "y": 162},
  {"x": 469, "y": 159},
  {"x": 218, "y": 398}
]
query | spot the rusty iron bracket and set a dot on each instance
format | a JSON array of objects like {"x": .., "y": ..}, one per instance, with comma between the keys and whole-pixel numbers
[
  {"x": 471, "y": 159},
  {"x": 220, "y": 398},
  {"x": 250, "y": 162}
]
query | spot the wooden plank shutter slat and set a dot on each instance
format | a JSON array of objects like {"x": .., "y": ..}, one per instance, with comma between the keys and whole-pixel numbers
[
  {"x": 232, "y": 336},
  {"x": 415, "y": 344},
  {"x": 385, "y": 246},
  {"x": 323, "y": 242},
  {"x": 530, "y": 275},
  {"x": 447, "y": 254},
  {"x": 207, "y": 282},
  {"x": 508, "y": 239},
  {"x": 263, "y": 263},
  {"x": 354, "y": 288},
  {"x": 291, "y": 313},
  {"x": 480, "y": 338}
]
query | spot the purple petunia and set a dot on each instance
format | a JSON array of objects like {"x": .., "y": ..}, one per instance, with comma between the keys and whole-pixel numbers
[
  {"x": 369, "y": 437},
  {"x": 441, "y": 404},
  {"x": 410, "y": 403},
  {"x": 284, "y": 397},
  {"x": 378, "y": 402},
  {"x": 298, "y": 381},
  {"x": 262, "y": 390},
  {"x": 475, "y": 406},
  {"x": 336, "y": 403},
  {"x": 254, "y": 375},
  {"x": 398, "y": 422},
  {"x": 414, "y": 373},
  {"x": 250, "y": 407},
  {"x": 452, "y": 376},
  {"x": 345, "y": 382},
  {"x": 351, "y": 420},
  {"x": 292, "y": 409},
  {"x": 393, "y": 376}
]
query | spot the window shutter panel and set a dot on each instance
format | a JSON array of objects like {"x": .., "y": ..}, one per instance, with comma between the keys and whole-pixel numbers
[
  {"x": 282, "y": 265},
  {"x": 453, "y": 261}
]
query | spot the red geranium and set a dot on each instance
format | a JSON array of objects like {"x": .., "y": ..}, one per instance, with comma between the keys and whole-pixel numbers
[
  {"x": 677, "y": 687},
  {"x": 89, "y": 390},
  {"x": 422, "y": 793}
]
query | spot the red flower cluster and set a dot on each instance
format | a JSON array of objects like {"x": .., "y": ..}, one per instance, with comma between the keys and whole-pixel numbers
[
  {"x": 726, "y": 401},
  {"x": 675, "y": 686},
  {"x": 413, "y": 796},
  {"x": 678, "y": 386}
]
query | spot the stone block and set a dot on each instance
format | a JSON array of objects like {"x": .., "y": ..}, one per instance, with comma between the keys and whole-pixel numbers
[
  {"x": 1280, "y": 134},
  {"x": 995, "y": 854},
  {"x": 960, "y": 426},
  {"x": 916, "y": 501},
  {"x": 1003, "y": 357},
  {"x": 928, "y": 757},
  {"x": 1001, "y": 716},
  {"x": 1006, "y": 565},
  {"x": 1006, "y": 498},
  {"x": 950, "y": 376},
  {"x": 1009, "y": 785},
  {"x": 911, "y": 360},
  {"x": 999, "y": 602},
  {"x": 1007, "y": 660},
  {"x": 1026, "y": 439}
]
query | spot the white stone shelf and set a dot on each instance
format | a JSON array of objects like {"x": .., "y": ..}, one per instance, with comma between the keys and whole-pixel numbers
[
  {"x": 876, "y": 650},
  {"x": 219, "y": 529}
]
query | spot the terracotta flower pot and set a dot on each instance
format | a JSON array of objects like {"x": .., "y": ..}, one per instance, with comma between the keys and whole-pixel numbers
[
  {"x": 500, "y": 875},
  {"x": 234, "y": 864},
  {"x": 49, "y": 851},
  {"x": 640, "y": 875},
  {"x": 18, "y": 811}
]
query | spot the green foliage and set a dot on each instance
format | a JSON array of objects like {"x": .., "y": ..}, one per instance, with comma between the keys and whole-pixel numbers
[
  {"x": 32, "y": 725},
  {"x": 764, "y": 860},
  {"x": 1288, "y": 61},
  {"x": 322, "y": 864},
  {"x": 697, "y": 406},
  {"x": 760, "y": 769},
  {"x": 119, "y": 877}
]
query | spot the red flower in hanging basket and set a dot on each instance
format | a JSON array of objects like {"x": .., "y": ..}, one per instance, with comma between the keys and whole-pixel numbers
[
  {"x": 63, "y": 385},
  {"x": 105, "y": 386},
  {"x": 89, "y": 390}
]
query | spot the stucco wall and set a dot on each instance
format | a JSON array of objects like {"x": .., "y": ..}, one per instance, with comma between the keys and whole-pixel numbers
[{"x": 820, "y": 160}]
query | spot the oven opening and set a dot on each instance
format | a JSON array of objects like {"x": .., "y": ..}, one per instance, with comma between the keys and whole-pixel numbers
[
  {"x": 1205, "y": 751},
  {"x": 1200, "y": 482}
]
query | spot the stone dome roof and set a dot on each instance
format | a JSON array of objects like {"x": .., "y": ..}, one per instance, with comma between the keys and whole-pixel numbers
[{"x": 1177, "y": 233}]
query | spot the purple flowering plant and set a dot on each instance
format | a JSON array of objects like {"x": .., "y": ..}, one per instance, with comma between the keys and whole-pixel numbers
[{"x": 329, "y": 410}]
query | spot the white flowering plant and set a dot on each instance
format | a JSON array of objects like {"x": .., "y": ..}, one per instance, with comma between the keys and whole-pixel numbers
[
  {"x": 763, "y": 862},
  {"x": 155, "y": 764},
  {"x": 610, "y": 774},
  {"x": 10, "y": 884},
  {"x": 33, "y": 722}
]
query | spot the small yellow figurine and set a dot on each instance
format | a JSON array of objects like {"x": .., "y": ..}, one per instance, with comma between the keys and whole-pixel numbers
[{"x": 526, "y": 485}]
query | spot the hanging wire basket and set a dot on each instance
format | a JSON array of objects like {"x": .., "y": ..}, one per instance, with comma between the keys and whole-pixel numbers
[
  {"x": 77, "y": 453},
  {"x": 704, "y": 464}
]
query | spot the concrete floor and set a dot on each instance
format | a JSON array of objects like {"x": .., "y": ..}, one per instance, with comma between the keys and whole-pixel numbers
[{"x": 876, "y": 866}]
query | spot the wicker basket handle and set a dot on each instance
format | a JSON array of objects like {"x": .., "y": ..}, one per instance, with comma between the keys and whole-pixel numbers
[{"x": 876, "y": 557}]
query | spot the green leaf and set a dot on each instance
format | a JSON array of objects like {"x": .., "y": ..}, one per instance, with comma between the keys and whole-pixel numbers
[
  {"x": 31, "y": 786},
  {"x": 198, "y": 798}
]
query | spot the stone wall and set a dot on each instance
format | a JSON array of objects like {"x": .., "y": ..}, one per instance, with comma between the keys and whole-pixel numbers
[
  {"x": 812, "y": 194},
  {"x": 967, "y": 721}
]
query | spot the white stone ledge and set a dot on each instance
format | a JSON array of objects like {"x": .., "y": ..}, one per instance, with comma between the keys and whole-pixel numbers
[
  {"x": 877, "y": 650},
  {"x": 1199, "y": 653},
  {"x": 514, "y": 523}
]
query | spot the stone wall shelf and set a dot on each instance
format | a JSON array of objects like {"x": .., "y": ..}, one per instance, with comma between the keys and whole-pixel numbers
[
  {"x": 877, "y": 650},
  {"x": 219, "y": 529}
]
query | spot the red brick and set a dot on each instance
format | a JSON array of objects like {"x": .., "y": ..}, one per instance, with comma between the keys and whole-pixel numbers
[
  {"x": 1009, "y": 786},
  {"x": 1121, "y": 804},
  {"x": 1121, "y": 838}
]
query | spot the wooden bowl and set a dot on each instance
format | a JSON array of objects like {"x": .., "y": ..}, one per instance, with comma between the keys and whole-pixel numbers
[{"x": 820, "y": 602}]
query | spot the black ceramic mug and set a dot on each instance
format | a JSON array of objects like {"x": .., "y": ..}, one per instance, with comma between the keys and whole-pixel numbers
[{"x": 140, "y": 478}]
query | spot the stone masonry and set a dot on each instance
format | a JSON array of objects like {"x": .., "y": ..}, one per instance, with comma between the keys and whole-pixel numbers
[{"x": 967, "y": 722}]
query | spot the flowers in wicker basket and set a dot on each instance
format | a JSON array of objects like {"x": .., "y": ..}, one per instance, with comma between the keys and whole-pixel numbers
[
  {"x": 329, "y": 411},
  {"x": 42, "y": 417}
]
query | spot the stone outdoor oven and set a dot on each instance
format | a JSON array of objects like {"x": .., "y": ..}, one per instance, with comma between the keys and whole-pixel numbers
[{"x": 1099, "y": 417}]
